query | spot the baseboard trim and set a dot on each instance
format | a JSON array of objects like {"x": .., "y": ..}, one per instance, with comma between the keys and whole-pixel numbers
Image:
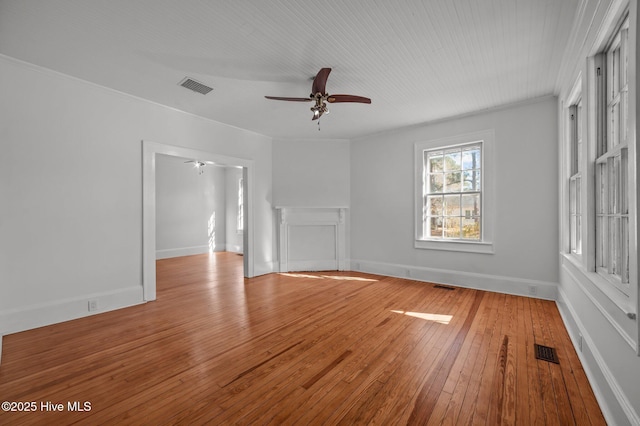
[
  {"x": 575, "y": 327},
  {"x": 496, "y": 283},
  {"x": 184, "y": 251},
  {"x": 233, "y": 248},
  {"x": 264, "y": 268},
  {"x": 43, "y": 314}
]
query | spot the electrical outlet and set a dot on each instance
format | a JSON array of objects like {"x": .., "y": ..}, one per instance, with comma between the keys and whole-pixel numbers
[
  {"x": 533, "y": 290},
  {"x": 93, "y": 305},
  {"x": 580, "y": 342}
]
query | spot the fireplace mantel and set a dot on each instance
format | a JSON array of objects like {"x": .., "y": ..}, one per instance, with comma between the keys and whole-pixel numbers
[{"x": 311, "y": 238}]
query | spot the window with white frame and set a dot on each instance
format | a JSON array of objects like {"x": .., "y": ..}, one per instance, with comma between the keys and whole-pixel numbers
[
  {"x": 611, "y": 163},
  {"x": 575, "y": 178},
  {"x": 240, "y": 216},
  {"x": 451, "y": 193}
]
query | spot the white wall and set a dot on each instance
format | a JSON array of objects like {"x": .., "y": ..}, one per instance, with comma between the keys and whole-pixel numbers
[
  {"x": 609, "y": 338},
  {"x": 311, "y": 173},
  {"x": 190, "y": 208},
  {"x": 72, "y": 210},
  {"x": 525, "y": 222}
]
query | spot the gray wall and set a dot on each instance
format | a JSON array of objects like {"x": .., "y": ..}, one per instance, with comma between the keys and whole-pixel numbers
[
  {"x": 190, "y": 208},
  {"x": 526, "y": 203},
  {"x": 71, "y": 155}
]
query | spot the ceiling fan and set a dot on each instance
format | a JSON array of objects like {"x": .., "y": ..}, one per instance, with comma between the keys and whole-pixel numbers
[
  {"x": 199, "y": 165},
  {"x": 321, "y": 97}
]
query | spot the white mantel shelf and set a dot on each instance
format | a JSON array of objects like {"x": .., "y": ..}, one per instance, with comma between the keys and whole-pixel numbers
[{"x": 311, "y": 238}]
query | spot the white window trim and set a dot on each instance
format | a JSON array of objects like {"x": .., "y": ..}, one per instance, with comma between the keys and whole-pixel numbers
[
  {"x": 488, "y": 193},
  {"x": 240, "y": 213},
  {"x": 591, "y": 89},
  {"x": 575, "y": 97}
]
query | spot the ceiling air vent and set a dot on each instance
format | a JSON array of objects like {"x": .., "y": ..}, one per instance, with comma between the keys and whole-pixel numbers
[{"x": 195, "y": 86}]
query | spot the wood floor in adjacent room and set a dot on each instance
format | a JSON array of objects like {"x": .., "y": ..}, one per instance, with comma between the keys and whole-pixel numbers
[{"x": 301, "y": 349}]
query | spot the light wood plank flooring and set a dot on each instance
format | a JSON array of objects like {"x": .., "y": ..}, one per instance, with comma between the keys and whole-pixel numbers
[{"x": 301, "y": 349}]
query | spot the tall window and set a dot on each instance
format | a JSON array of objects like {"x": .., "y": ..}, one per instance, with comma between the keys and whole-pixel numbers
[
  {"x": 453, "y": 193},
  {"x": 611, "y": 164},
  {"x": 240, "y": 204},
  {"x": 575, "y": 213}
]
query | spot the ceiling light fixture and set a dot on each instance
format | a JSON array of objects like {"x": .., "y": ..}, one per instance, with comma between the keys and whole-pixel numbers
[{"x": 198, "y": 165}]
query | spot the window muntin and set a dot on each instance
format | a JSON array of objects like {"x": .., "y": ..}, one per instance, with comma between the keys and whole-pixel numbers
[{"x": 452, "y": 193}]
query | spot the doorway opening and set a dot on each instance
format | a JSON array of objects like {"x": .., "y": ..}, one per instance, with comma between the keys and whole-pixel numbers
[{"x": 150, "y": 151}]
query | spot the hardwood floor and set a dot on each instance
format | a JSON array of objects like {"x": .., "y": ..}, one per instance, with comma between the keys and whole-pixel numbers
[{"x": 301, "y": 348}]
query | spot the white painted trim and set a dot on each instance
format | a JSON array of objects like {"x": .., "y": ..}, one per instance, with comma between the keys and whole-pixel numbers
[
  {"x": 567, "y": 263},
  {"x": 43, "y": 314},
  {"x": 290, "y": 218},
  {"x": 149, "y": 152},
  {"x": 488, "y": 194},
  {"x": 496, "y": 283},
  {"x": 263, "y": 268},
  {"x": 233, "y": 248},
  {"x": 185, "y": 251},
  {"x": 570, "y": 317}
]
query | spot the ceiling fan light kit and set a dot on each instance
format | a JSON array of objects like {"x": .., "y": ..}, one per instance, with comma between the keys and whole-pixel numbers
[{"x": 320, "y": 96}]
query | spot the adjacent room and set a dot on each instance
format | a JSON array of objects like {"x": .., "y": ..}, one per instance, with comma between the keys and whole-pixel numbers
[{"x": 298, "y": 212}]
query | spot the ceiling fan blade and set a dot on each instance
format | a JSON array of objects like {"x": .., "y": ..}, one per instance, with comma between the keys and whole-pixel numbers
[
  {"x": 348, "y": 98},
  {"x": 278, "y": 98},
  {"x": 320, "y": 82}
]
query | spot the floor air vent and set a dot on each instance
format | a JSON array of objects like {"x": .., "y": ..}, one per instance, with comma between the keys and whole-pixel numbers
[
  {"x": 546, "y": 353},
  {"x": 195, "y": 86}
]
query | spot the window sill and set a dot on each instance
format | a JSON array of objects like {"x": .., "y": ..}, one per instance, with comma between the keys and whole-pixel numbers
[
  {"x": 484, "y": 247},
  {"x": 607, "y": 288}
]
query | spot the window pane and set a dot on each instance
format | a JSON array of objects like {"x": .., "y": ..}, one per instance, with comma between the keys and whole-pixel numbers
[
  {"x": 471, "y": 158},
  {"x": 471, "y": 228},
  {"x": 452, "y": 227},
  {"x": 436, "y": 182},
  {"x": 452, "y": 205},
  {"x": 572, "y": 197},
  {"x": 434, "y": 162},
  {"x": 452, "y": 160},
  {"x": 578, "y": 245},
  {"x": 471, "y": 180},
  {"x": 600, "y": 190},
  {"x": 614, "y": 250},
  {"x": 573, "y": 233},
  {"x": 470, "y": 205},
  {"x": 434, "y": 205},
  {"x": 453, "y": 182},
  {"x": 614, "y": 178},
  {"x": 614, "y": 135},
  {"x": 435, "y": 227}
]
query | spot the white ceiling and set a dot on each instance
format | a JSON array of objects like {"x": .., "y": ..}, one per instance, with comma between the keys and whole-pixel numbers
[{"x": 418, "y": 60}]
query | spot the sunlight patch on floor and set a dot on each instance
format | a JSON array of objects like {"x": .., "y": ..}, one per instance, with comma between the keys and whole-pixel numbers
[
  {"x": 331, "y": 277},
  {"x": 439, "y": 318}
]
